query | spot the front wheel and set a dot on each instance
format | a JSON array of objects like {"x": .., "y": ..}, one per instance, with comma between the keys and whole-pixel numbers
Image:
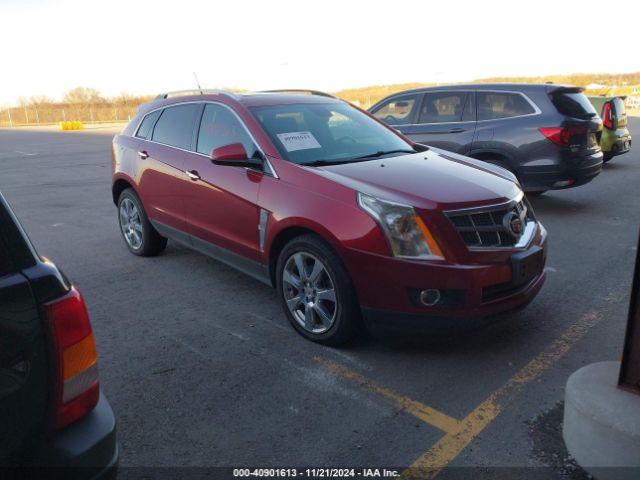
[{"x": 316, "y": 292}]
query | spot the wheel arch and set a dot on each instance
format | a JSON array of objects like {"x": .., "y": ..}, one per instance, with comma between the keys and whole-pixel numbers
[
  {"x": 287, "y": 233},
  {"x": 486, "y": 155},
  {"x": 120, "y": 184}
]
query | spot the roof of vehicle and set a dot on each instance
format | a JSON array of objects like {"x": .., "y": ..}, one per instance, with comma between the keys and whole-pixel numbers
[
  {"x": 493, "y": 86},
  {"x": 250, "y": 99},
  {"x": 606, "y": 97}
]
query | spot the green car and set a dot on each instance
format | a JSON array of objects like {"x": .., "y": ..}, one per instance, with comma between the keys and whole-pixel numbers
[{"x": 616, "y": 138}]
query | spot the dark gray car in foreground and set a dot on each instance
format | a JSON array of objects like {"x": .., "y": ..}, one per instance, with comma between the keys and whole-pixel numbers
[{"x": 547, "y": 135}]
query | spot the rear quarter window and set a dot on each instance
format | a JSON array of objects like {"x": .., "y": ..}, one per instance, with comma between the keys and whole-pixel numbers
[
  {"x": 144, "y": 131},
  {"x": 573, "y": 104}
]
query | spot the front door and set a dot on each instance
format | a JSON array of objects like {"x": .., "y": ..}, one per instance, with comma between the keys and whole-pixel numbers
[{"x": 221, "y": 203}]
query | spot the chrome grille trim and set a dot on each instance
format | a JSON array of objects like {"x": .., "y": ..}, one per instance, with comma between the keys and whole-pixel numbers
[{"x": 482, "y": 229}]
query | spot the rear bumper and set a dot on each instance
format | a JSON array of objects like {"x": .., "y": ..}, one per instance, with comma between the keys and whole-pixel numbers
[
  {"x": 620, "y": 146},
  {"x": 85, "y": 450},
  {"x": 567, "y": 174}
]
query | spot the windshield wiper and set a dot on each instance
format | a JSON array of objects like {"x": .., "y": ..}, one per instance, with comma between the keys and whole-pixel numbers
[{"x": 380, "y": 153}]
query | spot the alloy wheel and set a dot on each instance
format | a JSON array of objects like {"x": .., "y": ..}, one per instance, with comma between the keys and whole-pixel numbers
[
  {"x": 309, "y": 292},
  {"x": 131, "y": 224}
]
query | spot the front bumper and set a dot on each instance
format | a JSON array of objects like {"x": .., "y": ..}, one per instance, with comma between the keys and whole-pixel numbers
[
  {"x": 86, "y": 449},
  {"x": 385, "y": 287}
]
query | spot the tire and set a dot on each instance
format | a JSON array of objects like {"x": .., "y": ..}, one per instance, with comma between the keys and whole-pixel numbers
[
  {"x": 309, "y": 314},
  {"x": 146, "y": 241},
  {"x": 607, "y": 157}
]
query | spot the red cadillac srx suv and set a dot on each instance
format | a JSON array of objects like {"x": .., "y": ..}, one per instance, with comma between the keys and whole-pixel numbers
[{"x": 345, "y": 217}]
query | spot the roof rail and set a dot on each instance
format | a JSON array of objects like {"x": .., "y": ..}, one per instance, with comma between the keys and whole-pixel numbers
[
  {"x": 300, "y": 91},
  {"x": 193, "y": 91}
]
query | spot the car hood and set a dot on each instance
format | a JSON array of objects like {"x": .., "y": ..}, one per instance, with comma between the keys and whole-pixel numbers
[{"x": 431, "y": 179}]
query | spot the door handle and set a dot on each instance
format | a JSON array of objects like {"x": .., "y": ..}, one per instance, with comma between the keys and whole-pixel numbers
[
  {"x": 456, "y": 130},
  {"x": 193, "y": 175},
  {"x": 143, "y": 154}
]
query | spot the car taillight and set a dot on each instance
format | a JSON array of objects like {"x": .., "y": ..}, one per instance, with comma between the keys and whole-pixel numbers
[
  {"x": 607, "y": 115},
  {"x": 562, "y": 135},
  {"x": 76, "y": 387}
]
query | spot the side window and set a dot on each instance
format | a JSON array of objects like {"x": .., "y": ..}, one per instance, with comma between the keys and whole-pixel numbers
[
  {"x": 469, "y": 112},
  {"x": 492, "y": 105},
  {"x": 442, "y": 107},
  {"x": 144, "y": 131},
  {"x": 175, "y": 126},
  {"x": 219, "y": 127},
  {"x": 398, "y": 111}
]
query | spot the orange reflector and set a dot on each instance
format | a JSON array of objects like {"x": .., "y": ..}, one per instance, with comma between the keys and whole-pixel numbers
[
  {"x": 79, "y": 357},
  {"x": 433, "y": 245}
]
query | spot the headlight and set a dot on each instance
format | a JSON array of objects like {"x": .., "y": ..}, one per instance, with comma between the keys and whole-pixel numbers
[{"x": 406, "y": 233}]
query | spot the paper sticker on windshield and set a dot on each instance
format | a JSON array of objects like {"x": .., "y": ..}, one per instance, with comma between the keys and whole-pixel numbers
[{"x": 293, "y": 141}]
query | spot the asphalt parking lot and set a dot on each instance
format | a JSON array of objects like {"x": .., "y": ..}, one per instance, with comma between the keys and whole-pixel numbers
[{"x": 203, "y": 369}]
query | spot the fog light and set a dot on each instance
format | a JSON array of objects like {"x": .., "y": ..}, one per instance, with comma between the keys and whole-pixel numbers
[
  {"x": 564, "y": 183},
  {"x": 430, "y": 297}
]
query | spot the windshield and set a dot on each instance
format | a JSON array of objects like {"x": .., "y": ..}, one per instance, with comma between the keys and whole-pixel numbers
[{"x": 316, "y": 133}]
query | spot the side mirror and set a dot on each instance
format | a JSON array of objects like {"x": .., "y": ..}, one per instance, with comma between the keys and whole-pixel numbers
[{"x": 234, "y": 155}]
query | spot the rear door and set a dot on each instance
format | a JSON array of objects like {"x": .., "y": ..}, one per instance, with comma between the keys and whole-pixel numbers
[
  {"x": 446, "y": 120},
  {"x": 23, "y": 360},
  {"x": 163, "y": 179}
]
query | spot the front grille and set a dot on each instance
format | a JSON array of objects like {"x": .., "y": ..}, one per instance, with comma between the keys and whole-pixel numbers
[{"x": 486, "y": 227}]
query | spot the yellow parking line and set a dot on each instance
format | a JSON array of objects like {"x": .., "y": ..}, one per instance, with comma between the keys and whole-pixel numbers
[
  {"x": 431, "y": 462},
  {"x": 423, "y": 412}
]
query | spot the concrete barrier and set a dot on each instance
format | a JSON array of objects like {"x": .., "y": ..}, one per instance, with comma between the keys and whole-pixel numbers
[
  {"x": 75, "y": 125},
  {"x": 602, "y": 423}
]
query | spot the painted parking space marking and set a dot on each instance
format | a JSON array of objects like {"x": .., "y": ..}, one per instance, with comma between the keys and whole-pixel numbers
[
  {"x": 460, "y": 433},
  {"x": 419, "y": 410}
]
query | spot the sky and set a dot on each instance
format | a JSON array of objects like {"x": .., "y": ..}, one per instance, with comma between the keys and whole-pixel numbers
[{"x": 147, "y": 47}]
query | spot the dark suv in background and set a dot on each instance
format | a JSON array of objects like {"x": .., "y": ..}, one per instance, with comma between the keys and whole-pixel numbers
[{"x": 547, "y": 135}]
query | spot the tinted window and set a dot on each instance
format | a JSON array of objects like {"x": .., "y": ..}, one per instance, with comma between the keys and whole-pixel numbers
[
  {"x": 573, "y": 104},
  {"x": 441, "y": 107},
  {"x": 618, "y": 107},
  {"x": 219, "y": 127},
  {"x": 147, "y": 124},
  {"x": 329, "y": 132},
  {"x": 399, "y": 111},
  {"x": 492, "y": 105},
  {"x": 175, "y": 125}
]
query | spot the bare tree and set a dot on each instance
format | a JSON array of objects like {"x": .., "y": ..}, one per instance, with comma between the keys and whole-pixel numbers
[{"x": 83, "y": 96}]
